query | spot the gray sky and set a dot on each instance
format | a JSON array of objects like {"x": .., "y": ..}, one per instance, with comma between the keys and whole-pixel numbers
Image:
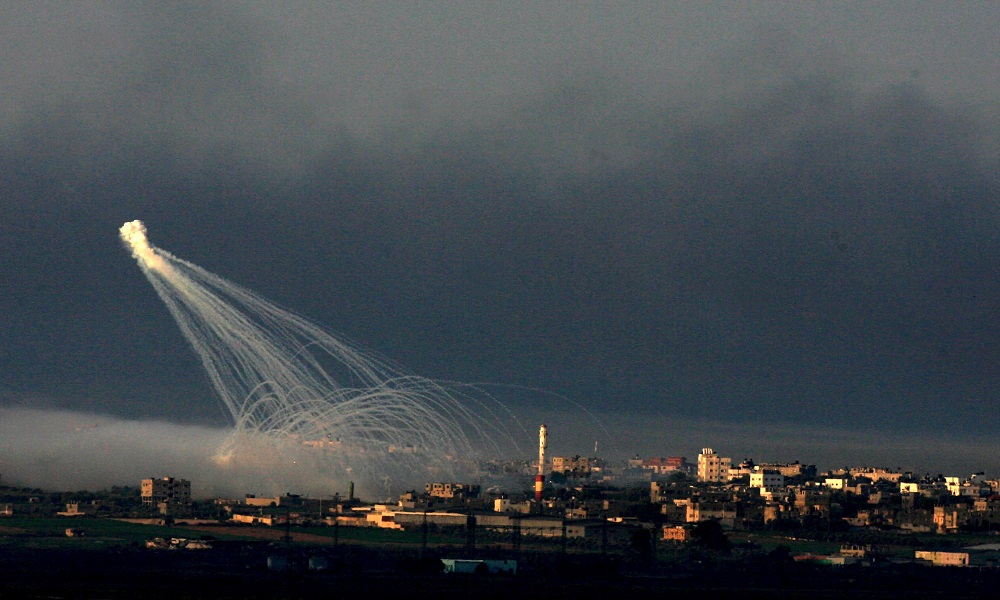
[{"x": 743, "y": 212}]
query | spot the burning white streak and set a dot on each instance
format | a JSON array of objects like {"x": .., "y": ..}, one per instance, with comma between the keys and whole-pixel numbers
[
  {"x": 134, "y": 234},
  {"x": 298, "y": 395}
]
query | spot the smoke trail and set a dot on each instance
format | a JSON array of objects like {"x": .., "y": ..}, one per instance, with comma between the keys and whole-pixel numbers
[
  {"x": 134, "y": 234},
  {"x": 298, "y": 395}
]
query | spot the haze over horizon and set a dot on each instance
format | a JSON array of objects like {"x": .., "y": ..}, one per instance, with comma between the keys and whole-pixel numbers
[{"x": 698, "y": 222}]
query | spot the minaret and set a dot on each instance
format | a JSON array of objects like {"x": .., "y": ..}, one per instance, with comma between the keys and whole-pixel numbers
[{"x": 540, "y": 478}]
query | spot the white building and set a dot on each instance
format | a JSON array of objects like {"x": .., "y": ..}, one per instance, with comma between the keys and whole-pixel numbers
[
  {"x": 957, "y": 487},
  {"x": 767, "y": 480},
  {"x": 836, "y": 483}
]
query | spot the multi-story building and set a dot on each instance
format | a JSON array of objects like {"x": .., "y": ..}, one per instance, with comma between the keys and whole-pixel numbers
[
  {"x": 662, "y": 491},
  {"x": 950, "y": 518},
  {"x": 812, "y": 502},
  {"x": 165, "y": 490},
  {"x": 766, "y": 479},
  {"x": 571, "y": 465},
  {"x": 741, "y": 470},
  {"x": 712, "y": 467}
]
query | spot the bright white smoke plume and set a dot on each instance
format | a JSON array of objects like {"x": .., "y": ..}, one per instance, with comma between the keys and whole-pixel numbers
[{"x": 304, "y": 400}]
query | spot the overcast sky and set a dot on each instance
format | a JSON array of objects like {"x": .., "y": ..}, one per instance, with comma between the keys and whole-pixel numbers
[{"x": 749, "y": 213}]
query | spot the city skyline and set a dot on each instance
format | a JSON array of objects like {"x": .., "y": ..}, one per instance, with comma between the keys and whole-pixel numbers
[{"x": 770, "y": 227}]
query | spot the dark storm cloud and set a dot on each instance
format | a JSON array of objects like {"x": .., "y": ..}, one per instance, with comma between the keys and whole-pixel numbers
[
  {"x": 762, "y": 232},
  {"x": 806, "y": 254}
]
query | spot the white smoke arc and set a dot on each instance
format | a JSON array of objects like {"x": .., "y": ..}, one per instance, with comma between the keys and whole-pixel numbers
[{"x": 299, "y": 395}]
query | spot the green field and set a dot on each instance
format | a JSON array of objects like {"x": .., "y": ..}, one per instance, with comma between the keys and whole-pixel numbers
[
  {"x": 50, "y": 532},
  {"x": 40, "y": 532}
]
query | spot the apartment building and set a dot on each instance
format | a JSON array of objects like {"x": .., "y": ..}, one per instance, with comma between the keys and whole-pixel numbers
[
  {"x": 712, "y": 467},
  {"x": 571, "y": 465},
  {"x": 165, "y": 490}
]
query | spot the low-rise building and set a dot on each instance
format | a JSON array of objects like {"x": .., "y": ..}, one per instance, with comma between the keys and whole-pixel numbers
[
  {"x": 452, "y": 491},
  {"x": 666, "y": 466},
  {"x": 284, "y": 500},
  {"x": 504, "y": 505},
  {"x": 78, "y": 509},
  {"x": 835, "y": 483},
  {"x": 877, "y": 474},
  {"x": 940, "y": 558},
  {"x": 676, "y": 533},
  {"x": 792, "y": 469},
  {"x": 268, "y": 519}
]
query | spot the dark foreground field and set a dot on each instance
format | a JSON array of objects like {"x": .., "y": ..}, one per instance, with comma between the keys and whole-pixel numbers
[
  {"x": 365, "y": 573},
  {"x": 112, "y": 562}
]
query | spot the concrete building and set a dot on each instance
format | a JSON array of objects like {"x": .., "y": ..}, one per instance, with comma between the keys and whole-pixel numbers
[
  {"x": 665, "y": 465},
  {"x": 575, "y": 466},
  {"x": 78, "y": 509},
  {"x": 165, "y": 491},
  {"x": 767, "y": 480},
  {"x": 504, "y": 505},
  {"x": 944, "y": 559},
  {"x": 285, "y": 500},
  {"x": 969, "y": 488},
  {"x": 874, "y": 474},
  {"x": 452, "y": 491},
  {"x": 269, "y": 519},
  {"x": 726, "y": 513},
  {"x": 913, "y": 487},
  {"x": 676, "y": 533},
  {"x": 601, "y": 529},
  {"x": 712, "y": 467},
  {"x": 948, "y": 519},
  {"x": 793, "y": 469}
]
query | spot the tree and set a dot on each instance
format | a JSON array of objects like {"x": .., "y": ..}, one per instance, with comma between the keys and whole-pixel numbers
[
  {"x": 642, "y": 543},
  {"x": 678, "y": 477},
  {"x": 709, "y": 535}
]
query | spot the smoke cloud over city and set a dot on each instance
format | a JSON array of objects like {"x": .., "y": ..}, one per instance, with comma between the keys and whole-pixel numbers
[{"x": 65, "y": 450}]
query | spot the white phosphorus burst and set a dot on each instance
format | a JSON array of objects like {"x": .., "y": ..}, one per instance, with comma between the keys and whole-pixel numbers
[{"x": 302, "y": 399}]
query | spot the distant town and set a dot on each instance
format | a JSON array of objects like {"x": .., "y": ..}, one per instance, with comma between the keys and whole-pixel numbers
[{"x": 647, "y": 505}]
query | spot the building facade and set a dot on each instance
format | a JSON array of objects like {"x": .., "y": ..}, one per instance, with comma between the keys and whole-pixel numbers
[
  {"x": 452, "y": 491},
  {"x": 165, "y": 490},
  {"x": 767, "y": 479},
  {"x": 571, "y": 465},
  {"x": 712, "y": 467}
]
